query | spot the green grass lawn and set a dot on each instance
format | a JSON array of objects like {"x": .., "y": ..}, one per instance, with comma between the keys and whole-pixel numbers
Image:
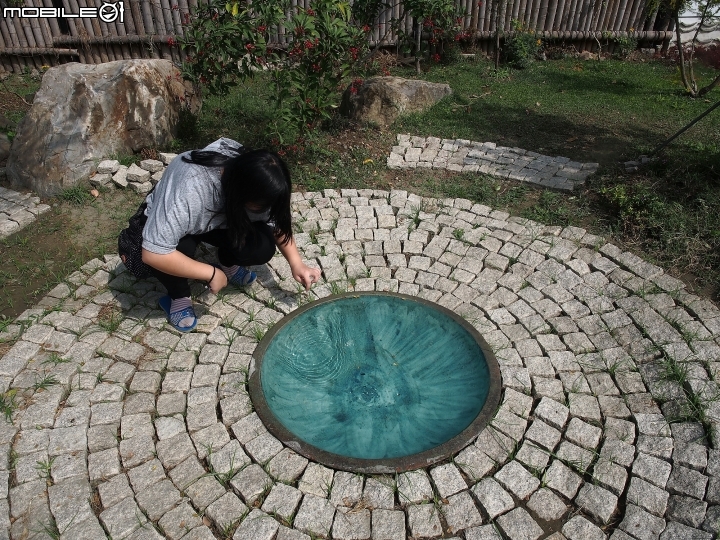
[{"x": 601, "y": 111}]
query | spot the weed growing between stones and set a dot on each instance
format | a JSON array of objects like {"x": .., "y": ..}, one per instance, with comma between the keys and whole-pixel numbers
[
  {"x": 50, "y": 529},
  {"x": 8, "y": 405},
  {"x": 45, "y": 382},
  {"x": 696, "y": 403}
]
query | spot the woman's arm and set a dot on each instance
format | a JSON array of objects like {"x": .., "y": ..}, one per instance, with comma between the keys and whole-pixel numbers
[
  {"x": 178, "y": 264},
  {"x": 302, "y": 273}
]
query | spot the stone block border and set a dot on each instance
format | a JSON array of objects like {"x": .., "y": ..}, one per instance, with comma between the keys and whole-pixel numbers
[
  {"x": 18, "y": 210},
  {"x": 461, "y": 155}
]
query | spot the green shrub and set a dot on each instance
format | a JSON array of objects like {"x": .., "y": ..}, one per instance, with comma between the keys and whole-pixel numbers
[
  {"x": 521, "y": 46},
  {"x": 624, "y": 46}
]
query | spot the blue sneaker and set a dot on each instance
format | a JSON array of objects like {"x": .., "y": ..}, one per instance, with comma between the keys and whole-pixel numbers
[{"x": 242, "y": 277}]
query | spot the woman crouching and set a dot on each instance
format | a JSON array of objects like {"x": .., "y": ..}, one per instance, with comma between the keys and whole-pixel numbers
[{"x": 225, "y": 196}]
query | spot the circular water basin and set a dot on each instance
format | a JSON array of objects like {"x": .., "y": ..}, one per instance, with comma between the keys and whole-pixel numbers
[{"x": 374, "y": 382}]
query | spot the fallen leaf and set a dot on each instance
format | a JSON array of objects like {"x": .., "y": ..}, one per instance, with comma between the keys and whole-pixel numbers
[
  {"x": 365, "y": 162},
  {"x": 571, "y": 139}
]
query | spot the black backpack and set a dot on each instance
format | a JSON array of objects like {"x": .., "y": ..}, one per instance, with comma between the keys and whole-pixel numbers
[{"x": 130, "y": 244}]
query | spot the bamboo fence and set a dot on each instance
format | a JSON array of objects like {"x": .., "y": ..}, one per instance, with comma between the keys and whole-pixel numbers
[{"x": 150, "y": 28}]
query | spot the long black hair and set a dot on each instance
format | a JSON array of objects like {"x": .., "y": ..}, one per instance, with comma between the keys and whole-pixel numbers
[{"x": 258, "y": 177}]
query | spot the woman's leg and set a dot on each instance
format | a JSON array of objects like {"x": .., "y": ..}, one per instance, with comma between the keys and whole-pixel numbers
[{"x": 179, "y": 287}]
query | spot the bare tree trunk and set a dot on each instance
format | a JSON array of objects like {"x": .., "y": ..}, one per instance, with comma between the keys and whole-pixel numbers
[
  {"x": 681, "y": 56},
  {"x": 418, "y": 37},
  {"x": 498, "y": 15}
]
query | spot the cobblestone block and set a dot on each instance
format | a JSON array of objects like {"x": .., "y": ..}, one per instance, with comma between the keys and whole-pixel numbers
[
  {"x": 686, "y": 510},
  {"x": 170, "y": 404},
  {"x": 493, "y": 499},
  {"x": 552, "y": 412},
  {"x": 388, "y": 525},
  {"x": 486, "y": 532},
  {"x": 287, "y": 466},
  {"x": 583, "y": 434},
  {"x": 543, "y": 434},
  {"x": 578, "y": 458},
  {"x": 114, "y": 490},
  {"x": 282, "y": 500},
  {"x": 598, "y": 502},
  {"x": 167, "y": 427},
  {"x": 562, "y": 479},
  {"x": 135, "y": 425},
  {"x": 179, "y": 521},
  {"x": 640, "y": 524},
  {"x": 448, "y": 480},
  {"x": 495, "y": 444},
  {"x": 257, "y": 526},
  {"x": 346, "y": 489},
  {"x": 315, "y": 516},
  {"x": 678, "y": 531},
  {"x": 654, "y": 470},
  {"x": 157, "y": 499},
  {"x": 227, "y": 510},
  {"x": 379, "y": 493},
  {"x": 351, "y": 524},
  {"x": 546, "y": 505},
  {"x": 610, "y": 475},
  {"x": 210, "y": 439},
  {"x": 510, "y": 424},
  {"x": 69, "y": 502},
  {"x": 102, "y": 465},
  {"x": 205, "y": 491},
  {"x": 251, "y": 482},
  {"x": 316, "y": 480},
  {"x": 263, "y": 447},
  {"x": 684, "y": 481},
  {"x": 424, "y": 521},
  {"x": 691, "y": 455},
  {"x": 146, "y": 474},
  {"x": 123, "y": 519},
  {"x": 579, "y": 528},
  {"x": 247, "y": 428},
  {"x": 67, "y": 440},
  {"x": 414, "y": 487},
  {"x": 519, "y": 525},
  {"x": 175, "y": 450},
  {"x": 461, "y": 513},
  {"x": 186, "y": 473},
  {"x": 137, "y": 450},
  {"x": 585, "y": 407}
]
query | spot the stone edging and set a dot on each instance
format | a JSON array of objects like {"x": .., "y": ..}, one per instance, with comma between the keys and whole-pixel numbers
[
  {"x": 461, "y": 155},
  {"x": 18, "y": 210}
]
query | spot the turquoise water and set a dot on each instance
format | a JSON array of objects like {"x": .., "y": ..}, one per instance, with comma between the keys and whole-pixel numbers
[{"x": 374, "y": 377}]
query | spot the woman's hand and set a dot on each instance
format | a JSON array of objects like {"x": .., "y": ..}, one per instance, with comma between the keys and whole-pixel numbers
[
  {"x": 218, "y": 282},
  {"x": 305, "y": 275},
  {"x": 302, "y": 273}
]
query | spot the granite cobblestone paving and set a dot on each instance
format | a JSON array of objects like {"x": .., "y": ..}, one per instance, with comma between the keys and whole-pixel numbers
[
  {"x": 140, "y": 432},
  {"x": 18, "y": 210},
  {"x": 461, "y": 155}
]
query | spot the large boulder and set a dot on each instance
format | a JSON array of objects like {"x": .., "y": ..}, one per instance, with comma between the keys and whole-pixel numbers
[
  {"x": 84, "y": 112},
  {"x": 4, "y": 147},
  {"x": 380, "y": 100}
]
